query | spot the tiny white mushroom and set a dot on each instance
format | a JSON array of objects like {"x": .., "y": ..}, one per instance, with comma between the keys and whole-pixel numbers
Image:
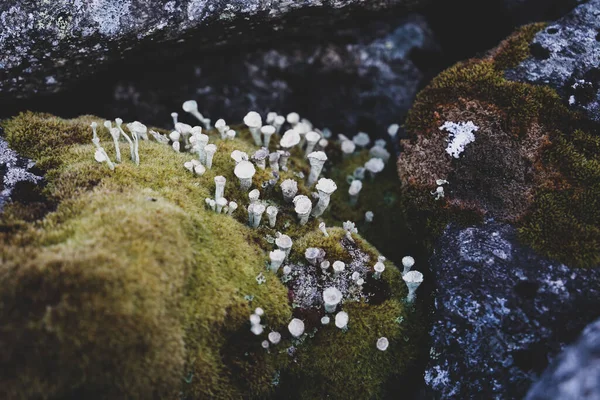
[
  {"x": 175, "y": 136},
  {"x": 374, "y": 166},
  {"x": 94, "y": 126},
  {"x": 350, "y": 228},
  {"x": 412, "y": 279},
  {"x": 232, "y": 207},
  {"x": 289, "y": 139},
  {"x": 379, "y": 268},
  {"x": 221, "y": 202},
  {"x": 284, "y": 242},
  {"x": 341, "y": 320},
  {"x": 287, "y": 270},
  {"x": 254, "y": 319},
  {"x": 138, "y": 130},
  {"x": 439, "y": 193},
  {"x": 116, "y": 133},
  {"x": 393, "y": 130},
  {"x": 407, "y": 263},
  {"x": 238, "y": 156},
  {"x": 253, "y": 121},
  {"x": 380, "y": 152},
  {"x": 278, "y": 123},
  {"x": 382, "y": 344},
  {"x": 257, "y": 211},
  {"x": 219, "y": 186},
  {"x": 244, "y": 171},
  {"x": 323, "y": 229},
  {"x": 296, "y": 327},
  {"x": 284, "y": 156},
  {"x": 348, "y": 147},
  {"x": 260, "y": 157},
  {"x": 189, "y": 166},
  {"x": 312, "y": 255},
  {"x": 274, "y": 161},
  {"x": 222, "y": 128},
  {"x": 369, "y": 217},
  {"x": 338, "y": 267},
  {"x": 274, "y": 337},
  {"x": 174, "y": 116},
  {"x": 250, "y": 214},
  {"x": 303, "y": 207},
  {"x": 257, "y": 329},
  {"x": 289, "y": 188},
  {"x": 325, "y": 320},
  {"x": 277, "y": 257},
  {"x": 293, "y": 118},
  {"x": 380, "y": 143},
  {"x": 271, "y": 117},
  {"x": 312, "y": 138},
  {"x": 210, "y": 151},
  {"x": 272, "y": 215},
  {"x": 354, "y": 191},
  {"x": 259, "y": 311},
  {"x": 322, "y": 144},
  {"x": 176, "y": 146},
  {"x": 199, "y": 169},
  {"x": 317, "y": 161},
  {"x": 361, "y": 139},
  {"x": 355, "y": 276},
  {"x": 230, "y": 134},
  {"x": 267, "y": 131},
  {"x": 325, "y": 187},
  {"x": 265, "y": 344},
  {"x": 191, "y": 107},
  {"x": 331, "y": 297},
  {"x": 212, "y": 204},
  {"x": 325, "y": 265},
  {"x": 253, "y": 196},
  {"x": 119, "y": 123}
]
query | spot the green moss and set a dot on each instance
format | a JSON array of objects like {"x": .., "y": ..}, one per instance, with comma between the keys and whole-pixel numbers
[
  {"x": 560, "y": 173},
  {"x": 135, "y": 290}
]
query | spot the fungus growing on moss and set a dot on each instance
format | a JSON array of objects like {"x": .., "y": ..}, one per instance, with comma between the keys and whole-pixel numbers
[
  {"x": 284, "y": 243},
  {"x": 461, "y": 134},
  {"x": 175, "y": 117},
  {"x": 361, "y": 139},
  {"x": 350, "y": 228},
  {"x": 277, "y": 257},
  {"x": 244, "y": 171},
  {"x": 323, "y": 229},
  {"x": 338, "y": 267},
  {"x": 380, "y": 152},
  {"x": 379, "y": 268},
  {"x": 278, "y": 123},
  {"x": 296, "y": 327},
  {"x": 369, "y": 217},
  {"x": 257, "y": 211},
  {"x": 348, "y": 147},
  {"x": 119, "y": 123},
  {"x": 374, "y": 166},
  {"x": 210, "y": 151},
  {"x": 303, "y": 207},
  {"x": 393, "y": 130},
  {"x": 191, "y": 107},
  {"x": 383, "y": 343},
  {"x": 325, "y": 320},
  {"x": 341, "y": 320},
  {"x": 232, "y": 207},
  {"x": 284, "y": 156},
  {"x": 293, "y": 118},
  {"x": 253, "y": 196},
  {"x": 115, "y": 133},
  {"x": 272, "y": 215},
  {"x": 407, "y": 263},
  {"x": 220, "y": 182},
  {"x": 317, "y": 161},
  {"x": 325, "y": 187},
  {"x": 354, "y": 191},
  {"x": 253, "y": 121},
  {"x": 221, "y": 203},
  {"x": 274, "y": 161},
  {"x": 238, "y": 156},
  {"x": 412, "y": 279},
  {"x": 222, "y": 127},
  {"x": 311, "y": 255},
  {"x": 267, "y": 131},
  {"x": 332, "y": 296},
  {"x": 274, "y": 337},
  {"x": 312, "y": 138},
  {"x": 289, "y": 139}
]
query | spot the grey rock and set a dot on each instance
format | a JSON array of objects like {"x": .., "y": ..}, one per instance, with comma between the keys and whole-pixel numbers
[
  {"x": 46, "y": 44},
  {"x": 361, "y": 78},
  {"x": 566, "y": 56},
  {"x": 501, "y": 312},
  {"x": 575, "y": 373},
  {"x": 14, "y": 170}
]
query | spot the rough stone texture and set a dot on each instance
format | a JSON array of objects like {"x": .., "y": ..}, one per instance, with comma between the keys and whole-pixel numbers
[
  {"x": 364, "y": 78},
  {"x": 14, "y": 170},
  {"x": 566, "y": 56},
  {"x": 575, "y": 373},
  {"x": 47, "y": 43},
  {"x": 500, "y": 312}
]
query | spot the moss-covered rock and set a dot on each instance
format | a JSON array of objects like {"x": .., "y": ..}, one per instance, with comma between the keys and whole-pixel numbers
[
  {"x": 126, "y": 286},
  {"x": 533, "y": 161}
]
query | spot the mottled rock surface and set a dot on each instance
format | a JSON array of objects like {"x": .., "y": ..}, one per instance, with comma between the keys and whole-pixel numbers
[
  {"x": 500, "y": 312},
  {"x": 566, "y": 56},
  {"x": 575, "y": 373},
  {"x": 46, "y": 44}
]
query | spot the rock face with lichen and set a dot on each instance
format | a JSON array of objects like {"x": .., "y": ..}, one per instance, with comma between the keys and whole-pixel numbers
[
  {"x": 533, "y": 161},
  {"x": 45, "y": 45},
  {"x": 131, "y": 269}
]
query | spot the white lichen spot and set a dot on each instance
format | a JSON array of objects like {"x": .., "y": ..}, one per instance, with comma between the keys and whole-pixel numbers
[{"x": 461, "y": 134}]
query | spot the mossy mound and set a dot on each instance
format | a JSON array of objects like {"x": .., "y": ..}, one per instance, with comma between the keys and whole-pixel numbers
[
  {"x": 528, "y": 163},
  {"x": 126, "y": 286}
]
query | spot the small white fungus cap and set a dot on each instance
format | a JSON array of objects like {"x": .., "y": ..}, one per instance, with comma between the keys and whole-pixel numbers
[
  {"x": 265, "y": 344},
  {"x": 283, "y": 241},
  {"x": 257, "y": 329},
  {"x": 355, "y": 187},
  {"x": 312, "y": 137},
  {"x": 274, "y": 337},
  {"x": 259, "y": 311},
  {"x": 244, "y": 170},
  {"x": 393, "y": 130},
  {"x": 271, "y": 117},
  {"x": 413, "y": 277},
  {"x": 183, "y": 128},
  {"x": 289, "y": 139},
  {"x": 326, "y": 185},
  {"x": 361, "y": 139},
  {"x": 175, "y": 136},
  {"x": 302, "y": 204},
  {"x": 254, "y": 195},
  {"x": 253, "y": 120},
  {"x": 341, "y": 319},
  {"x": 279, "y": 120},
  {"x": 277, "y": 255},
  {"x": 332, "y": 296},
  {"x": 348, "y": 146},
  {"x": 382, "y": 343},
  {"x": 293, "y": 118},
  {"x": 199, "y": 169},
  {"x": 267, "y": 130},
  {"x": 375, "y": 165},
  {"x": 408, "y": 261},
  {"x": 296, "y": 327},
  {"x": 211, "y": 148},
  {"x": 220, "y": 123},
  {"x": 190, "y": 106},
  {"x": 287, "y": 269},
  {"x": 99, "y": 156},
  {"x": 317, "y": 157},
  {"x": 255, "y": 319},
  {"x": 325, "y": 320},
  {"x": 355, "y": 276},
  {"x": 339, "y": 266},
  {"x": 239, "y": 156},
  {"x": 379, "y": 267}
]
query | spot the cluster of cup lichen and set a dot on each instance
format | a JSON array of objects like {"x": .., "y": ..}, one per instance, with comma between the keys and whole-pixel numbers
[{"x": 126, "y": 285}]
